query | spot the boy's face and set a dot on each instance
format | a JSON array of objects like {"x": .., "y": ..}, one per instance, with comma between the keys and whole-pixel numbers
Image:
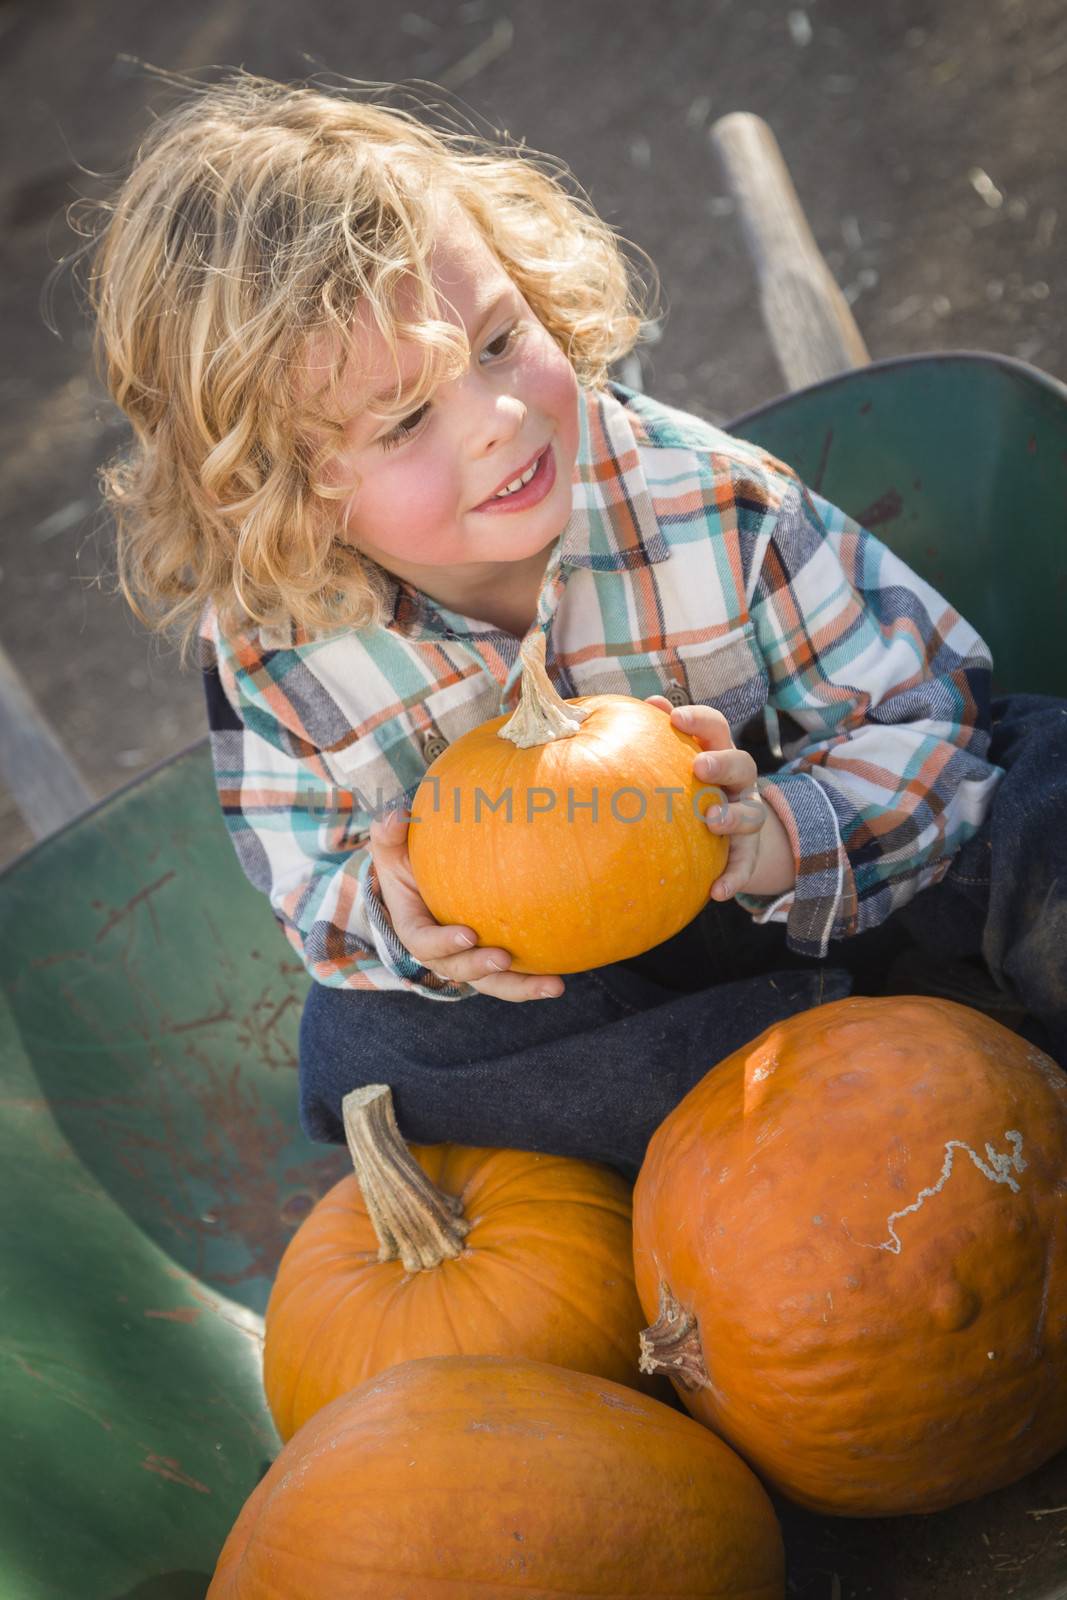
[{"x": 426, "y": 493}]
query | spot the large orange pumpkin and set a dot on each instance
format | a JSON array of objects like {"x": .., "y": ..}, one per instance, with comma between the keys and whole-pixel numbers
[
  {"x": 467, "y": 1476},
  {"x": 852, "y": 1236},
  {"x": 571, "y": 834},
  {"x": 448, "y": 1250}
]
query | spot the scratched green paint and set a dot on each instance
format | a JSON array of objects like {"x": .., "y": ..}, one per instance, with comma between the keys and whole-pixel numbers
[{"x": 151, "y": 1170}]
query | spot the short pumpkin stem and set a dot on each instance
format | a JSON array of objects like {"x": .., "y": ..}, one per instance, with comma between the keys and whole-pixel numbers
[
  {"x": 672, "y": 1344},
  {"x": 411, "y": 1217},
  {"x": 541, "y": 715}
]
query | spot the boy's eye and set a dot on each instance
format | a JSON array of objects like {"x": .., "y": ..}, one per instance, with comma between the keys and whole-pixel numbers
[
  {"x": 494, "y": 350},
  {"x": 405, "y": 427},
  {"x": 501, "y": 344}
]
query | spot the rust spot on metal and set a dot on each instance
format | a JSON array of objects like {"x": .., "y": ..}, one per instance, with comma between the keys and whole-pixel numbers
[
  {"x": 224, "y": 1015},
  {"x": 296, "y": 1208},
  {"x": 186, "y": 1136},
  {"x": 168, "y": 1468},
  {"x": 56, "y": 959},
  {"x": 278, "y": 1011},
  {"x": 139, "y": 898},
  {"x": 51, "y": 1380},
  {"x": 178, "y": 1314},
  {"x": 824, "y": 456},
  {"x": 885, "y": 509}
]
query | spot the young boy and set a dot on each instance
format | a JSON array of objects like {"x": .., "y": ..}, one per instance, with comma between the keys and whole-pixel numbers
[{"x": 374, "y": 447}]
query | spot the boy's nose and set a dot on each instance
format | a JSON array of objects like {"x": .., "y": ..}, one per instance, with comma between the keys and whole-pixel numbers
[{"x": 498, "y": 420}]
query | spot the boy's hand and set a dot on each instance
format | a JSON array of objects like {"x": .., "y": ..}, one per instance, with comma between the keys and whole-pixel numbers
[
  {"x": 734, "y": 772},
  {"x": 450, "y": 952}
]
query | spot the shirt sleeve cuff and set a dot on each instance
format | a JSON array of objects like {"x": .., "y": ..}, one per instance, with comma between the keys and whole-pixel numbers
[
  {"x": 394, "y": 956},
  {"x": 821, "y": 906}
]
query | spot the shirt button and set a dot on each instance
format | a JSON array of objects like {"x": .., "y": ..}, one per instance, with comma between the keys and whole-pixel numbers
[
  {"x": 433, "y": 745},
  {"x": 676, "y": 695}
]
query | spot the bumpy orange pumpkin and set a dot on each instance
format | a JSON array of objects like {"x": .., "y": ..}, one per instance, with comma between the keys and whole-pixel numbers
[
  {"x": 571, "y": 834},
  {"x": 448, "y": 1250},
  {"x": 853, "y": 1237},
  {"x": 480, "y": 1475}
]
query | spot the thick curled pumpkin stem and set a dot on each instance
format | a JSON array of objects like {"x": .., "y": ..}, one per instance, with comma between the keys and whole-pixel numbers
[
  {"x": 541, "y": 715},
  {"x": 672, "y": 1344},
  {"x": 411, "y": 1217}
]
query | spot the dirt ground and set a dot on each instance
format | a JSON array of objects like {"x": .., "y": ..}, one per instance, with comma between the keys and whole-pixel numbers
[{"x": 923, "y": 137}]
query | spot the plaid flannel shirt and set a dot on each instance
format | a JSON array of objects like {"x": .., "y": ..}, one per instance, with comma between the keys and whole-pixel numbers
[{"x": 693, "y": 564}]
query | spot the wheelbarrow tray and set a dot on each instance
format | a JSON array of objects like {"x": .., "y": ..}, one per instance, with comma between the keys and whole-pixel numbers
[
  {"x": 959, "y": 463},
  {"x": 151, "y": 1164}
]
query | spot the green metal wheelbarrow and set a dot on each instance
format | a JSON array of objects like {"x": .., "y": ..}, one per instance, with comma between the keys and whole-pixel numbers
[{"x": 151, "y": 1164}]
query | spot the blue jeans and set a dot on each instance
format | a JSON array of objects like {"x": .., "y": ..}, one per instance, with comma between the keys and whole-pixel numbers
[{"x": 593, "y": 1073}]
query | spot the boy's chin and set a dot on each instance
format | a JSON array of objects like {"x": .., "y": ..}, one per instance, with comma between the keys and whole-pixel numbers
[{"x": 535, "y": 545}]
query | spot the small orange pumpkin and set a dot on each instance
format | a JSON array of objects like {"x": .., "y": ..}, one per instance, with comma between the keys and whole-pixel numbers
[
  {"x": 571, "y": 834},
  {"x": 448, "y": 1250},
  {"x": 482, "y": 1475},
  {"x": 852, "y": 1236}
]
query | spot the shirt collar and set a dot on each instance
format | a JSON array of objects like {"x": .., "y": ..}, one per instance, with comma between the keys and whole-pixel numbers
[{"x": 612, "y": 526}]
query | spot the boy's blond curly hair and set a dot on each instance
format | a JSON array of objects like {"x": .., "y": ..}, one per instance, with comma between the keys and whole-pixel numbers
[{"x": 257, "y": 217}]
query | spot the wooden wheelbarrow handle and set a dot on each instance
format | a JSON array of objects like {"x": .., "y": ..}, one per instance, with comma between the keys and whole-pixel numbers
[
  {"x": 47, "y": 787},
  {"x": 812, "y": 331}
]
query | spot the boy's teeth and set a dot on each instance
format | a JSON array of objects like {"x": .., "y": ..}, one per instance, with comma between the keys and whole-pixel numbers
[{"x": 517, "y": 483}]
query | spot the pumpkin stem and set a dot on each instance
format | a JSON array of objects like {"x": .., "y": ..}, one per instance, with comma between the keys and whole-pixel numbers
[
  {"x": 412, "y": 1217},
  {"x": 673, "y": 1344},
  {"x": 541, "y": 715}
]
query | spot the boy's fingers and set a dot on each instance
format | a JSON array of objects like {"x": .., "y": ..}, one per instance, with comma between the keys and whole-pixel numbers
[
  {"x": 740, "y": 866},
  {"x": 418, "y": 931},
  {"x": 389, "y": 835},
  {"x": 488, "y": 970},
  {"x": 451, "y": 951},
  {"x": 705, "y": 724},
  {"x": 745, "y": 815},
  {"x": 499, "y": 991},
  {"x": 517, "y": 986},
  {"x": 432, "y": 943},
  {"x": 499, "y": 985},
  {"x": 732, "y": 769},
  {"x": 415, "y": 926}
]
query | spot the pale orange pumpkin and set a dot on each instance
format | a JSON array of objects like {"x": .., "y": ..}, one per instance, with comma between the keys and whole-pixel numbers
[
  {"x": 449, "y": 1250},
  {"x": 852, "y": 1236},
  {"x": 486, "y": 1476},
  {"x": 571, "y": 834}
]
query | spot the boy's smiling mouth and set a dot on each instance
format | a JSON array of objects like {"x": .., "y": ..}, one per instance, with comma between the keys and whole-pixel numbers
[{"x": 526, "y": 487}]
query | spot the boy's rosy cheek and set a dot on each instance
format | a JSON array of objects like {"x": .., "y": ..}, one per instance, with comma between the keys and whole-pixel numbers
[
  {"x": 554, "y": 388},
  {"x": 409, "y": 501}
]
